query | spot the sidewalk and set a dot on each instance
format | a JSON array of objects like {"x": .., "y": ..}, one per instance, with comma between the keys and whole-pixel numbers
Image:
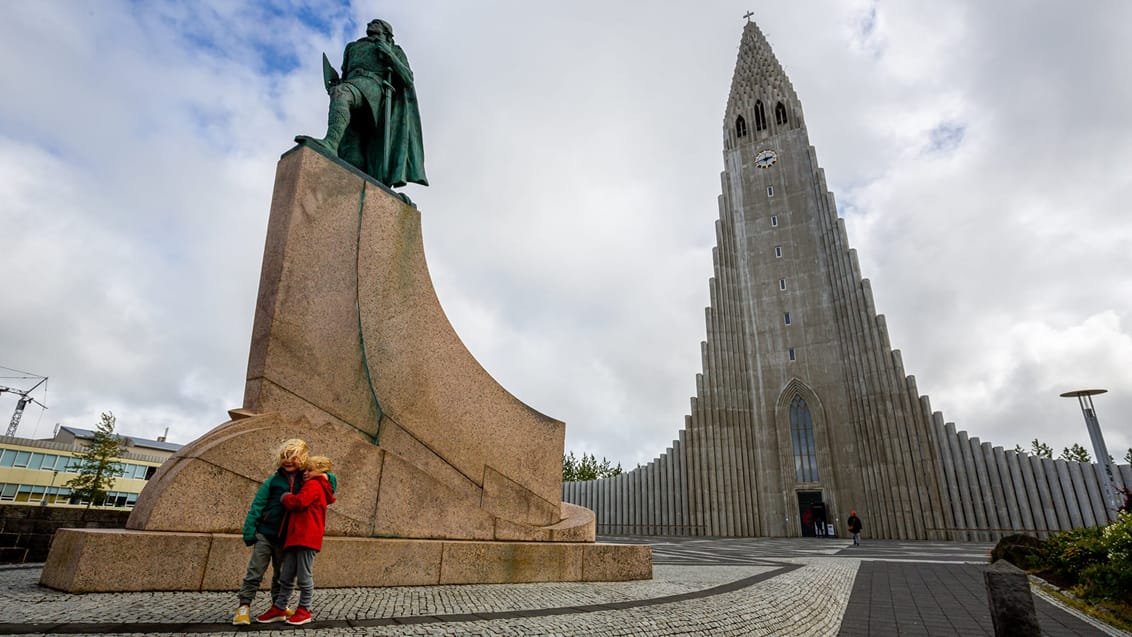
[{"x": 700, "y": 587}]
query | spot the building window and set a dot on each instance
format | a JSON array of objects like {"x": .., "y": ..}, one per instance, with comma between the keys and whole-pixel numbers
[
  {"x": 770, "y": 191},
  {"x": 22, "y": 459},
  {"x": 774, "y": 221},
  {"x": 786, "y": 318},
  {"x": 780, "y": 114},
  {"x": 760, "y": 116},
  {"x": 778, "y": 252},
  {"x": 792, "y": 356},
  {"x": 782, "y": 284},
  {"x": 802, "y": 434},
  {"x": 740, "y": 127}
]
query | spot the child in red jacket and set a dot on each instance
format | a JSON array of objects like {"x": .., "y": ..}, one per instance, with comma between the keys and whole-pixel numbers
[{"x": 306, "y": 523}]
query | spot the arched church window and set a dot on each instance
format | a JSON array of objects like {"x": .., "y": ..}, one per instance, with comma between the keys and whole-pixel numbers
[
  {"x": 760, "y": 116},
  {"x": 740, "y": 127},
  {"x": 780, "y": 114},
  {"x": 802, "y": 434}
]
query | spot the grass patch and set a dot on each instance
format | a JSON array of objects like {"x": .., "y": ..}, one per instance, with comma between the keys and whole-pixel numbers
[{"x": 1113, "y": 613}]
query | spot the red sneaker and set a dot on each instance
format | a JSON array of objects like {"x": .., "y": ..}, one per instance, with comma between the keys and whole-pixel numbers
[
  {"x": 273, "y": 614},
  {"x": 301, "y": 616}
]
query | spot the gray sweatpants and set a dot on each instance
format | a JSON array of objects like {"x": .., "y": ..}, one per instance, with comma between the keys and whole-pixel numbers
[
  {"x": 264, "y": 552},
  {"x": 297, "y": 567}
]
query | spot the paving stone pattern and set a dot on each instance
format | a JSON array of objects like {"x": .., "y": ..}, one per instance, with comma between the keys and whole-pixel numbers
[
  {"x": 904, "y": 598},
  {"x": 702, "y": 586}
]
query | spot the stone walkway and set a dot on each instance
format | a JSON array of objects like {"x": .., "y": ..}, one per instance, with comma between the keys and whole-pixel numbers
[{"x": 700, "y": 587}]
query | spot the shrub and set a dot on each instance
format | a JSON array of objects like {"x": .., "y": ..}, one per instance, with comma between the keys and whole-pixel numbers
[
  {"x": 1069, "y": 553},
  {"x": 1118, "y": 537},
  {"x": 1023, "y": 551},
  {"x": 1107, "y": 580}
]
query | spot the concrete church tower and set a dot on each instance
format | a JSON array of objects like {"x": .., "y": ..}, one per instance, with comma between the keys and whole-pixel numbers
[
  {"x": 803, "y": 411},
  {"x": 833, "y": 419}
]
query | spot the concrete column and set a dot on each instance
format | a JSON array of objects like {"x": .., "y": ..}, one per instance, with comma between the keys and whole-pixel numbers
[
  {"x": 1010, "y": 503},
  {"x": 1048, "y": 513},
  {"x": 1069, "y": 494},
  {"x": 1033, "y": 494},
  {"x": 965, "y": 516},
  {"x": 623, "y": 514},
  {"x": 1056, "y": 494},
  {"x": 1021, "y": 491},
  {"x": 648, "y": 507},
  {"x": 991, "y": 516},
  {"x": 978, "y": 518},
  {"x": 679, "y": 485},
  {"x": 912, "y": 448},
  {"x": 941, "y": 501},
  {"x": 695, "y": 501},
  {"x": 1094, "y": 474},
  {"x": 1077, "y": 477},
  {"x": 665, "y": 493},
  {"x": 997, "y": 491},
  {"x": 708, "y": 486}
]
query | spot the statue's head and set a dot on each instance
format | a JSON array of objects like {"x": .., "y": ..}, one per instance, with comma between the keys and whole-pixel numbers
[{"x": 377, "y": 27}]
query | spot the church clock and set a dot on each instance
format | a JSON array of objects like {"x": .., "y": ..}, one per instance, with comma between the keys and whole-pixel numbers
[{"x": 766, "y": 158}]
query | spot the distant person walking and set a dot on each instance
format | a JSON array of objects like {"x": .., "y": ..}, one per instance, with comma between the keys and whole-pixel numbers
[{"x": 855, "y": 527}]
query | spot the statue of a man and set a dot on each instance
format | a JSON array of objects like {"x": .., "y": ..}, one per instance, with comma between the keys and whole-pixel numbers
[{"x": 374, "y": 123}]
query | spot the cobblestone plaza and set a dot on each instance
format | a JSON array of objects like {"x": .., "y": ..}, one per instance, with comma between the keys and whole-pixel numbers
[{"x": 701, "y": 587}]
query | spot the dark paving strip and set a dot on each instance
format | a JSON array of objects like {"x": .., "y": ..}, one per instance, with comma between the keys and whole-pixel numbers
[
  {"x": 897, "y": 598},
  {"x": 155, "y": 628}
]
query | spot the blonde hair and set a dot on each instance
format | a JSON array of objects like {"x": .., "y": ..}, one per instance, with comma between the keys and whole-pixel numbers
[
  {"x": 295, "y": 450},
  {"x": 321, "y": 464}
]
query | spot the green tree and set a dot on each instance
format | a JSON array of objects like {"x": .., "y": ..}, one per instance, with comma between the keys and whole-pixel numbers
[
  {"x": 587, "y": 468},
  {"x": 1041, "y": 449},
  {"x": 1076, "y": 453},
  {"x": 1019, "y": 449},
  {"x": 97, "y": 466},
  {"x": 1128, "y": 456}
]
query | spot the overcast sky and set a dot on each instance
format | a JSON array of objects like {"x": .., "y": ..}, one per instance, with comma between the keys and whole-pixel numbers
[{"x": 980, "y": 153}]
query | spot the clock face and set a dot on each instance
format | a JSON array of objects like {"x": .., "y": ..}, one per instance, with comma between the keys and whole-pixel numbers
[{"x": 766, "y": 158}]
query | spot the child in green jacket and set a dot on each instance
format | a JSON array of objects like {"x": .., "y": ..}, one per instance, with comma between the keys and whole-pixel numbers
[{"x": 263, "y": 527}]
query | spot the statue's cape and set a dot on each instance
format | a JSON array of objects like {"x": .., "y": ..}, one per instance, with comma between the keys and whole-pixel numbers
[{"x": 363, "y": 143}]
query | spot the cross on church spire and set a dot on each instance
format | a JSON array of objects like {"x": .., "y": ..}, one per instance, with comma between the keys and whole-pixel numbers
[{"x": 748, "y": 15}]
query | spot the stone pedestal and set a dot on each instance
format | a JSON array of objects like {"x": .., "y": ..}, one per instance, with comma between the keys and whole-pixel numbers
[
  {"x": 98, "y": 560},
  {"x": 437, "y": 464}
]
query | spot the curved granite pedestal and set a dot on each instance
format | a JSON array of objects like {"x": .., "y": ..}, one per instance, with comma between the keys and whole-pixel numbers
[{"x": 444, "y": 477}]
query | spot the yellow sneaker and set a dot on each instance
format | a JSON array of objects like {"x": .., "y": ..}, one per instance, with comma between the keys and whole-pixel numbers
[{"x": 243, "y": 616}]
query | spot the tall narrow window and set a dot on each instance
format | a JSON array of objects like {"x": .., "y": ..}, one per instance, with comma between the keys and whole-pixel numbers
[
  {"x": 782, "y": 284},
  {"x": 774, "y": 221},
  {"x": 802, "y": 434},
  {"x": 780, "y": 114},
  {"x": 793, "y": 357},
  {"x": 770, "y": 191},
  {"x": 760, "y": 116},
  {"x": 786, "y": 318},
  {"x": 740, "y": 127},
  {"x": 778, "y": 252}
]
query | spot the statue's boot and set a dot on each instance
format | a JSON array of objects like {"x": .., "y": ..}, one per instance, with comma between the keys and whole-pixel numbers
[{"x": 337, "y": 121}]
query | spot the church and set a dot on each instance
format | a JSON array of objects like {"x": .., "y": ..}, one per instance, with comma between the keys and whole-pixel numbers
[{"x": 803, "y": 411}]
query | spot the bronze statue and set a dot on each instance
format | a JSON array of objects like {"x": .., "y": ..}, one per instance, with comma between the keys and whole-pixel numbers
[{"x": 374, "y": 123}]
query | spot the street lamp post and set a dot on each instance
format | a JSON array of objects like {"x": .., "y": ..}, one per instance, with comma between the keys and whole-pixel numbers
[
  {"x": 1085, "y": 399},
  {"x": 43, "y": 502}
]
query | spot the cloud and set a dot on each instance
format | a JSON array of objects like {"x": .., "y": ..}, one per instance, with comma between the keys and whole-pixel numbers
[{"x": 574, "y": 151}]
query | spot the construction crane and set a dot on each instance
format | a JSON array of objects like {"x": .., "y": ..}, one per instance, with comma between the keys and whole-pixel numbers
[{"x": 21, "y": 403}]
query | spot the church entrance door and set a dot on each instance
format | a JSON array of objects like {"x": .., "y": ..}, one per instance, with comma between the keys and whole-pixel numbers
[{"x": 809, "y": 506}]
